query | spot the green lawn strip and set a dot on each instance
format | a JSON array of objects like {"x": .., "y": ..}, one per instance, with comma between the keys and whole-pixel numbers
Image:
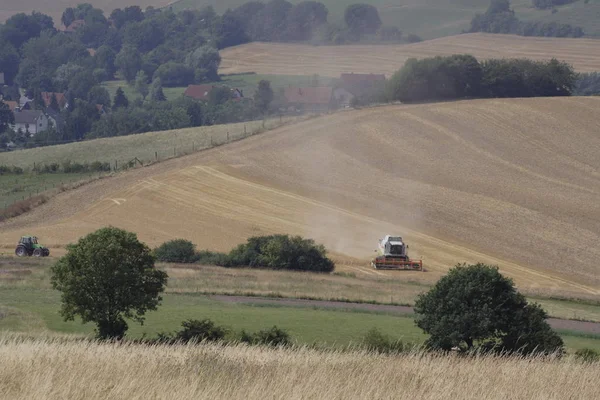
[
  {"x": 18, "y": 187},
  {"x": 307, "y": 325},
  {"x": 245, "y": 82}
]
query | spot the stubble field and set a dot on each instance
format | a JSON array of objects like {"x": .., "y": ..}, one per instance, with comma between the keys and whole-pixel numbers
[
  {"x": 298, "y": 59},
  {"x": 507, "y": 182}
]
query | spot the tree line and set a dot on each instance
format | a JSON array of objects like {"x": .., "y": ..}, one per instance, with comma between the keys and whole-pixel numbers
[
  {"x": 500, "y": 18},
  {"x": 463, "y": 76}
]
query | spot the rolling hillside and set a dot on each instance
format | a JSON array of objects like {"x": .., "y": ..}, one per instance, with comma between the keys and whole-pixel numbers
[
  {"x": 509, "y": 182},
  {"x": 292, "y": 59},
  {"x": 436, "y": 18},
  {"x": 55, "y": 8}
]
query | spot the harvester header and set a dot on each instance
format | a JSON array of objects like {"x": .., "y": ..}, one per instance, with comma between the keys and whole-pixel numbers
[{"x": 393, "y": 255}]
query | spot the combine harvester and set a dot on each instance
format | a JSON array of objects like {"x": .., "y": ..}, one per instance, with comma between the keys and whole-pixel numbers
[{"x": 393, "y": 255}]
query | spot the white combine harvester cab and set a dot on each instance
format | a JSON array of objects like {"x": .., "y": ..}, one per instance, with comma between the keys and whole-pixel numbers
[
  {"x": 392, "y": 246},
  {"x": 393, "y": 255}
]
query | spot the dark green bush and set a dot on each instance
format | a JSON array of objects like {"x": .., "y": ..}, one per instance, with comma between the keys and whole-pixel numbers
[
  {"x": 269, "y": 337},
  {"x": 281, "y": 252},
  {"x": 588, "y": 355},
  {"x": 377, "y": 342},
  {"x": 5, "y": 170},
  {"x": 206, "y": 257},
  {"x": 177, "y": 251},
  {"x": 198, "y": 331}
]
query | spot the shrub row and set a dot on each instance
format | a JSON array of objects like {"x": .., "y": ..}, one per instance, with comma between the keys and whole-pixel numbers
[
  {"x": 463, "y": 76},
  {"x": 21, "y": 207},
  {"x": 69, "y": 167},
  {"x": 279, "y": 252},
  {"x": 196, "y": 331},
  {"x": 6, "y": 170}
]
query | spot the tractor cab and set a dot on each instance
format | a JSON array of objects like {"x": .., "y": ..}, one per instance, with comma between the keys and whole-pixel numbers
[
  {"x": 28, "y": 240},
  {"x": 29, "y": 246}
]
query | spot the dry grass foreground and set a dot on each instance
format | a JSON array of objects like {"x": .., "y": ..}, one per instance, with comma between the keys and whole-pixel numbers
[
  {"x": 508, "y": 182},
  {"x": 296, "y": 59},
  {"x": 55, "y": 8},
  {"x": 44, "y": 369}
]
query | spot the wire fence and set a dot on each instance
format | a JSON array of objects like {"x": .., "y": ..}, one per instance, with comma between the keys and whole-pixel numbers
[{"x": 51, "y": 179}]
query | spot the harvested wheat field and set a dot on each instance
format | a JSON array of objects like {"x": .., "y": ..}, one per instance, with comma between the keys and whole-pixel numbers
[
  {"x": 297, "y": 59},
  {"x": 44, "y": 369},
  {"x": 509, "y": 182}
]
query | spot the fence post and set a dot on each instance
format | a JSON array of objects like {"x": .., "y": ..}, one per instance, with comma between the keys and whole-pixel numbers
[
  {"x": 116, "y": 166},
  {"x": 228, "y": 136},
  {"x": 244, "y": 129},
  {"x": 174, "y": 152},
  {"x": 156, "y": 155}
]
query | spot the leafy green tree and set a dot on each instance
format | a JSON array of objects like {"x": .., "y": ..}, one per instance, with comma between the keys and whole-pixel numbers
[
  {"x": 99, "y": 95},
  {"x": 144, "y": 36},
  {"x": 270, "y": 23},
  {"x": 81, "y": 83},
  {"x": 68, "y": 16},
  {"x": 176, "y": 251},
  {"x": 141, "y": 84},
  {"x": 304, "y": 18},
  {"x": 475, "y": 307},
  {"x": 64, "y": 74},
  {"x": 6, "y": 117},
  {"x": 281, "y": 252},
  {"x": 106, "y": 277},
  {"x": 121, "y": 17},
  {"x": 9, "y": 61},
  {"x": 21, "y": 27},
  {"x": 263, "y": 96},
  {"x": 79, "y": 119},
  {"x": 207, "y": 59},
  {"x": 228, "y": 30},
  {"x": 174, "y": 74},
  {"x": 129, "y": 62},
  {"x": 194, "y": 112},
  {"x": 120, "y": 100},
  {"x": 105, "y": 58},
  {"x": 362, "y": 19},
  {"x": 156, "y": 91}
]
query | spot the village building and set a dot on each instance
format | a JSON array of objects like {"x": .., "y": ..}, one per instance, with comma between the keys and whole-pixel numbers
[
  {"x": 309, "y": 99},
  {"x": 30, "y": 121}
]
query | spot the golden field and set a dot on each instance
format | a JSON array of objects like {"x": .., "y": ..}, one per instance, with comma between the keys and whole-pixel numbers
[
  {"x": 507, "y": 182},
  {"x": 298, "y": 59},
  {"x": 59, "y": 368}
]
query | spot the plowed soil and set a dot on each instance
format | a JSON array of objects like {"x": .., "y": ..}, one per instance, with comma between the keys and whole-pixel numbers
[
  {"x": 509, "y": 182},
  {"x": 296, "y": 59}
]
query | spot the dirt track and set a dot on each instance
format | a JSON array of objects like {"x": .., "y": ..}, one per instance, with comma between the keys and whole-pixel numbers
[
  {"x": 565, "y": 324},
  {"x": 509, "y": 182},
  {"x": 295, "y": 59}
]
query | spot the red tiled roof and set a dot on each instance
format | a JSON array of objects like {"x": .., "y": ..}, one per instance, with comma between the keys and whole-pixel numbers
[
  {"x": 11, "y": 104},
  {"x": 78, "y": 23},
  {"x": 198, "y": 92},
  {"x": 361, "y": 79},
  {"x": 60, "y": 99},
  {"x": 308, "y": 95}
]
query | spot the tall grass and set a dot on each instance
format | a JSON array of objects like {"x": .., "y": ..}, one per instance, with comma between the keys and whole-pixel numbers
[{"x": 57, "y": 368}]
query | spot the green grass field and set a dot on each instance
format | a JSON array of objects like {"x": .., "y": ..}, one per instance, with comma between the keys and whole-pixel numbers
[
  {"x": 248, "y": 83},
  {"x": 436, "y": 18},
  {"x": 28, "y": 304},
  {"x": 145, "y": 146},
  {"x": 19, "y": 187}
]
